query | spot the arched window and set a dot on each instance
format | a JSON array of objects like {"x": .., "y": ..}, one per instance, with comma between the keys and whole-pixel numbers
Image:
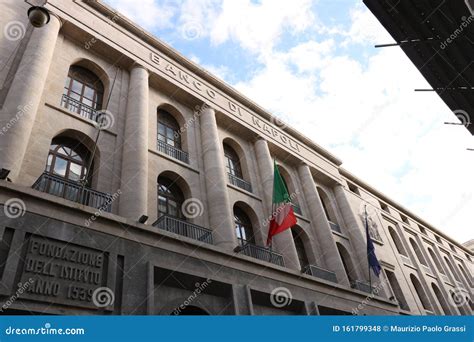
[
  {"x": 436, "y": 261},
  {"x": 397, "y": 291},
  {"x": 420, "y": 292},
  {"x": 418, "y": 252},
  {"x": 83, "y": 92},
  {"x": 441, "y": 300},
  {"x": 396, "y": 240},
  {"x": 466, "y": 275},
  {"x": 327, "y": 206},
  {"x": 347, "y": 263},
  {"x": 170, "y": 198},
  {"x": 290, "y": 188},
  {"x": 68, "y": 159},
  {"x": 300, "y": 248},
  {"x": 243, "y": 227},
  {"x": 232, "y": 162},
  {"x": 168, "y": 130},
  {"x": 451, "y": 268}
]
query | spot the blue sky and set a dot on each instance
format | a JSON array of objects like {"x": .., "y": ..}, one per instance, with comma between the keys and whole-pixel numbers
[{"x": 313, "y": 63}]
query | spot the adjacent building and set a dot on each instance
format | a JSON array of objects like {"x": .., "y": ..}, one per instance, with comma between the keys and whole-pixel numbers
[{"x": 135, "y": 182}]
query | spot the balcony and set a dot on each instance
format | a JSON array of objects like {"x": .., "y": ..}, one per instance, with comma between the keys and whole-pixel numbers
[
  {"x": 79, "y": 108},
  {"x": 261, "y": 253},
  {"x": 335, "y": 227},
  {"x": 172, "y": 151},
  {"x": 180, "y": 227},
  {"x": 319, "y": 272},
  {"x": 362, "y": 286},
  {"x": 239, "y": 182},
  {"x": 296, "y": 209},
  {"x": 73, "y": 191}
]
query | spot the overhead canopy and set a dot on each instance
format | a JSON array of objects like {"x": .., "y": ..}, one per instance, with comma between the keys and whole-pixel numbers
[{"x": 438, "y": 37}]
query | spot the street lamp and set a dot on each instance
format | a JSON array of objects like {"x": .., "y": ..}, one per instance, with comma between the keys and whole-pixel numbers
[{"x": 38, "y": 16}]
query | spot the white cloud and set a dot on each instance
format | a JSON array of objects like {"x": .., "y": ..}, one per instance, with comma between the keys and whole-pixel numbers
[
  {"x": 148, "y": 13},
  {"x": 258, "y": 26},
  {"x": 362, "y": 107},
  {"x": 386, "y": 133}
]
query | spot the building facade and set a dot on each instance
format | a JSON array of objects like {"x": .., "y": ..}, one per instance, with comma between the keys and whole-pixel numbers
[{"x": 135, "y": 182}]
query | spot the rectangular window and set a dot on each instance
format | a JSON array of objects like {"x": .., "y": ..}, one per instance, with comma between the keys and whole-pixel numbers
[
  {"x": 353, "y": 188},
  {"x": 384, "y": 207}
]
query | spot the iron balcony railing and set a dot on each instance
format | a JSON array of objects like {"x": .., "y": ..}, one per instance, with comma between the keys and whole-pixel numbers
[
  {"x": 180, "y": 227},
  {"x": 172, "y": 151},
  {"x": 73, "y": 191},
  {"x": 335, "y": 227},
  {"x": 297, "y": 209},
  {"x": 79, "y": 108},
  {"x": 261, "y": 253},
  {"x": 239, "y": 182},
  {"x": 362, "y": 286},
  {"x": 319, "y": 272}
]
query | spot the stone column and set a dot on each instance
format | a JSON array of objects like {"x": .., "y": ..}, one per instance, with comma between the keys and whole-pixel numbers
[
  {"x": 134, "y": 177},
  {"x": 283, "y": 242},
  {"x": 218, "y": 202},
  {"x": 22, "y": 102},
  {"x": 355, "y": 231},
  {"x": 321, "y": 226}
]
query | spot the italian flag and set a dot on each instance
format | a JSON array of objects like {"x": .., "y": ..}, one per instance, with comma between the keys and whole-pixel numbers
[{"x": 282, "y": 216}]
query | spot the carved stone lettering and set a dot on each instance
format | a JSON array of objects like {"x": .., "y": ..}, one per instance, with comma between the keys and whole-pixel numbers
[{"x": 61, "y": 272}]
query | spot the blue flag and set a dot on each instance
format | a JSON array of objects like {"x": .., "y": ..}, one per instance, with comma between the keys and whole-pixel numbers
[{"x": 372, "y": 258}]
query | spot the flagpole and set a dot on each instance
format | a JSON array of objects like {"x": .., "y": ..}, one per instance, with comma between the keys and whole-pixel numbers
[
  {"x": 367, "y": 237},
  {"x": 271, "y": 210}
]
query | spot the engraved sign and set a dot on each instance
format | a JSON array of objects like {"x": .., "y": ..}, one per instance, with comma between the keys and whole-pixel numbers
[
  {"x": 63, "y": 273},
  {"x": 200, "y": 88}
]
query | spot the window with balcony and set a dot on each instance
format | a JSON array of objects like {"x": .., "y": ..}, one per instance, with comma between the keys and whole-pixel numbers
[
  {"x": 67, "y": 175},
  {"x": 298, "y": 236},
  {"x": 169, "y": 137},
  {"x": 347, "y": 263},
  {"x": 328, "y": 210},
  {"x": 243, "y": 227},
  {"x": 246, "y": 239},
  {"x": 83, "y": 92},
  {"x": 397, "y": 291},
  {"x": 170, "y": 199},
  {"x": 234, "y": 169}
]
